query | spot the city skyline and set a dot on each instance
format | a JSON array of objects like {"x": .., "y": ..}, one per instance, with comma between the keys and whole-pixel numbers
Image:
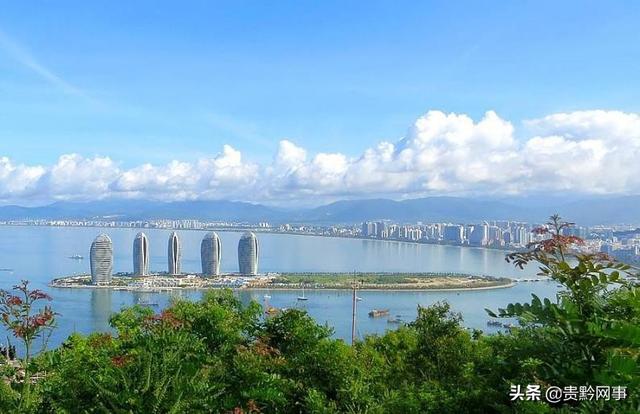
[{"x": 620, "y": 243}]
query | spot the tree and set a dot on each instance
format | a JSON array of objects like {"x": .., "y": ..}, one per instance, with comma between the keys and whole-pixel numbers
[
  {"x": 19, "y": 315},
  {"x": 584, "y": 336}
]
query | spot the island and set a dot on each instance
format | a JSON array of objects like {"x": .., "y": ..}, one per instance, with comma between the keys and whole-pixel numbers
[
  {"x": 384, "y": 281},
  {"x": 311, "y": 280}
]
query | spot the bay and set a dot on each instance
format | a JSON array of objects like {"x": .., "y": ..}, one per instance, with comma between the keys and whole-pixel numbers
[{"x": 39, "y": 254}]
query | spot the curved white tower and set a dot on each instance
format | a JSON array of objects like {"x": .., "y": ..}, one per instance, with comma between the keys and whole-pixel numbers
[
  {"x": 101, "y": 258},
  {"x": 248, "y": 254},
  {"x": 174, "y": 254},
  {"x": 141, "y": 255},
  {"x": 210, "y": 253}
]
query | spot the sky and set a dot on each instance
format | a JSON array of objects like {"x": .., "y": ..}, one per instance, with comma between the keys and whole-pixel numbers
[{"x": 306, "y": 102}]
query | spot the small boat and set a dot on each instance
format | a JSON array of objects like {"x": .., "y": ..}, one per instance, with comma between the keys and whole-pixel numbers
[
  {"x": 494, "y": 323},
  {"x": 376, "y": 313},
  {"x": 394, "y": 320},
  {"x": 146, "y": 303},
  {"x": 267, "y": 296},
  {"x": 76, "y": 257},
  {"x": 303, "y": 297},
  {"x": 358, "y": 298}
]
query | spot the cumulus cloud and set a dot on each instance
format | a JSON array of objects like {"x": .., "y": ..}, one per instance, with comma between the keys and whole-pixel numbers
[{"x": 442, "y": 153}]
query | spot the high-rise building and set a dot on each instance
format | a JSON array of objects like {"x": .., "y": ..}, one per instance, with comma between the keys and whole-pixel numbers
[
  {"x": 369, "y": 229},
  {"x": 522, "y": 236},
  {"x": 248, "y": 254},
  {"x": 141, "y": 255},
  {"x": 506, "y": 237},
  {"x": 453, "y": 233},
  {"x": 101, "y": 257},
  {"x": 210, "y": 252},
  {"x": 495, "y": 236},
  {"x": 479, "y": 235},
  {"x": 174, "y": 254},
  {"x": 364, "y": 229}
]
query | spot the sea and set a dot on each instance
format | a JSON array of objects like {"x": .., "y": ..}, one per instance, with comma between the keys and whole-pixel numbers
[{"x": 41, "y": 253}]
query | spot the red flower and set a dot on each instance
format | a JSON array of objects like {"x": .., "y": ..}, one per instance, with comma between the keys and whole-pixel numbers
[{"x": 14, "y": 301}]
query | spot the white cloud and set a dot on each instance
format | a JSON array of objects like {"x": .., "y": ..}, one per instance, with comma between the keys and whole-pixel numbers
[
  {"x": 18, "y": 181},
  {"x": 584, "y": 151},
  {"x": 225, "y": 175}
]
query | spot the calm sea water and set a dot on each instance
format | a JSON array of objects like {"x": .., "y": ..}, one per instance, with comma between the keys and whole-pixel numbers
[{"x": 41, "y": 253}]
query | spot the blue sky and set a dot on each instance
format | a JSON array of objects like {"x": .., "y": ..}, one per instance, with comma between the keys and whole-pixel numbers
[{"x": 160, "y": 81}]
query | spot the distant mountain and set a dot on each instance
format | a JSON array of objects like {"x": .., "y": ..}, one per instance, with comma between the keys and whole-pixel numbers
[
  {"x": 145, "y": 210},
  {"x": 610, "y": 210},
  {"x": 421, "y": 209}
]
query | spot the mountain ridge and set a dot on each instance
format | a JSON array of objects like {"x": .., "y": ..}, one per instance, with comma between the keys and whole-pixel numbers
[{"x": 611, "y": 210}]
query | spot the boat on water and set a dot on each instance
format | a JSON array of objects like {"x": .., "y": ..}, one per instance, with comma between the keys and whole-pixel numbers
[
  {"x": 396, "y": 320},
  {"x": 494, "y": 323},
  {"x": 147, "y": 303},
  {"x": 303, "y": 297},
  {"x": 4, "y": 269},
  {"x": 376, "y": 313},
  {"x": 358, "y": 298},
  {"x": 76, "y": 257}
]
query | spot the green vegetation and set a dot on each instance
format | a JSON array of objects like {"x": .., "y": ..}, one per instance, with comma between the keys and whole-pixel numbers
[
  {"x": 386, "y": 280},
  {"x": 219, "y": 356},
  {"x": 380, "y": 278}
]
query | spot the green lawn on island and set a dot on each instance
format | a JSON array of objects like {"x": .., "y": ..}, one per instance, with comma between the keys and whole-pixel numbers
[{"x": 347, "y": 279}]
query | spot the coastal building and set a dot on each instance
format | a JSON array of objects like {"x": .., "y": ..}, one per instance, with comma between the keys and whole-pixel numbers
[
  {"x": 101, "y": 258},
  {"x": 495, "y": 236},
  {"x": 369, "y": 229},
  {"x": 382, "y": 230},
  {"x": 174, "y": 254},
  {"x": 522, "y": 236},
  {"x": 453, "y": 233},
  {"x": 479, "y": 235},
  {"x": 210, "y": 253},
  {"x": 141, "y": 255},
  {"x": 248, "y": 254},
  {"x": 506, "y": 237}
]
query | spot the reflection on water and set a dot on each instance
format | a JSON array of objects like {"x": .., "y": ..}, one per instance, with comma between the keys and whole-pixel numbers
[
  {"x": 41, "y": 253},
  {"x": 100, "y": 308}
]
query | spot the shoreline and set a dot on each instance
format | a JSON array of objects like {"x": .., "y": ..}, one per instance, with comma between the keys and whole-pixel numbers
[
  {"x": 78, "y": 282},
  {"x": 276, "y": 232},
  {"x": 384, "y": 289},
  {"x": 196, "y": 289}
]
